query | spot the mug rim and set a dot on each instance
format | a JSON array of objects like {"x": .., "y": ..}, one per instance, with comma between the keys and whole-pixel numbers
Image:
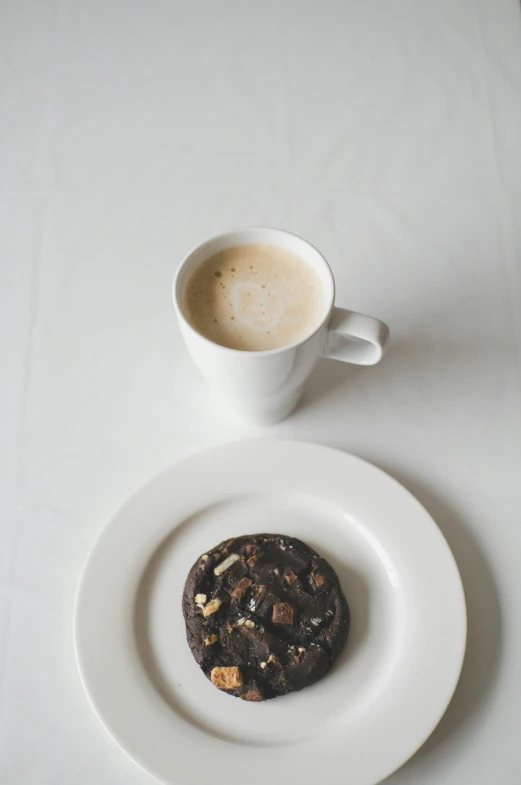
[{"x": 264, "y": 352}]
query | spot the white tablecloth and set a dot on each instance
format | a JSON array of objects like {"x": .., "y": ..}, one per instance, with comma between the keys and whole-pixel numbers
[{"x": 386, "y": 133}]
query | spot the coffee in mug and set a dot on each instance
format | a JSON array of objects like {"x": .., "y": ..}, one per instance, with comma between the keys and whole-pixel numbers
[{"x": 254, "y": 298}]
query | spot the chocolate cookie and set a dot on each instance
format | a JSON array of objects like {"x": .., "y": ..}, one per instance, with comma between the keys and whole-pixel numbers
[{"x": 265, "y": 615}]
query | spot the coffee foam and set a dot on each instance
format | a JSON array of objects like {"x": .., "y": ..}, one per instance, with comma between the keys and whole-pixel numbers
[{"x": 254, "y": 298}]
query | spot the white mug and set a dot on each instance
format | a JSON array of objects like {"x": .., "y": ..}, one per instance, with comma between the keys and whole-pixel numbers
[{"x": 264, "y": 387}]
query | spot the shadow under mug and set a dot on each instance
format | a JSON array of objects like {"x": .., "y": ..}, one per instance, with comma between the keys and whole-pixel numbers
[{"x": 263, "y": 387}]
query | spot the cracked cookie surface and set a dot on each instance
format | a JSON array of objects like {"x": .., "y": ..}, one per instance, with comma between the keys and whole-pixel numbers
[{"x": 265, "y": 615}]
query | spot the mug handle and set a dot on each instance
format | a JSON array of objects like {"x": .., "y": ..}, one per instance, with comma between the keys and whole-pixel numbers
[{"x": 355, "y": 338}]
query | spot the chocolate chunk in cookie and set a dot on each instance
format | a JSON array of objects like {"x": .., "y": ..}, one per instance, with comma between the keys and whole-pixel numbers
[{"x": 283, "y": 613}]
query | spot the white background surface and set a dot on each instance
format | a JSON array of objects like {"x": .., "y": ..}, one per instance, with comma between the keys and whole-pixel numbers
[{"x": 387, "y": 134}]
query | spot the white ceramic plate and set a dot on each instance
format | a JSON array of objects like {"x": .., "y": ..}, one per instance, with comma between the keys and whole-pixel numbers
[{"x": 390, "y": 686}]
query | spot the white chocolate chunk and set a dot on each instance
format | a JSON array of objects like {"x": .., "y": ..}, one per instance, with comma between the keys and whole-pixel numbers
[
  {"x": 212, "y": 607},
  {"x": 231, "y": 559}
]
